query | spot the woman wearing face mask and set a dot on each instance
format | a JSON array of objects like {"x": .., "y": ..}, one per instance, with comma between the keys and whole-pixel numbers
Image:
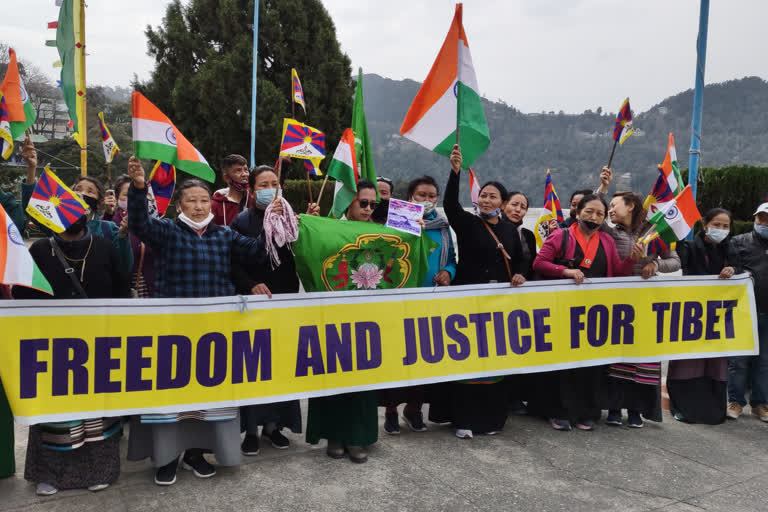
[
  {"x": 515, "y": 211},
  {"x": 263, "y": 279},
  {"x": 196, "y": 258},
  {"x": 490, "y": 253},
  {"x": 698, "y": 387},
  {"x": 76, "y": 454},
  {"x": 578, "y": 252}
]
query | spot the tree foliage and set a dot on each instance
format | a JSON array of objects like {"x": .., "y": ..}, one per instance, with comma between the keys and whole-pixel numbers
[{"x": 203, "y": 65}]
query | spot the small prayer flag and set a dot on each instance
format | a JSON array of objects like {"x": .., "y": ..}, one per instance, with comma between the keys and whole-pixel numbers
[{"x": 622, "y": 129}]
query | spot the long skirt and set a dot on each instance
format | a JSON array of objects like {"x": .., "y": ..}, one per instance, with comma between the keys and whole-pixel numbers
[
  {"x": 7, "y": 455},
  {"x": 164, "y": 442},
  {"x": 406, "y": 395},
  {"x": 282, "y": 414},
  {"x": 94, "y": 463},
  {"x": 351, "y": 419},
  {"x": 625, "y": 394},
  {"x": 698, "y": 389},
  {"x": 572, "y": 394},
  {"x": 439, "y": 398},
  {"x": 479, "y": 407}
]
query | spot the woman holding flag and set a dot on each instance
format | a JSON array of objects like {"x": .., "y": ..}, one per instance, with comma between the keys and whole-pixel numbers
[
  {"x": 579, "y": 252},
  {"x": 490, "y": 252},
  {"x": 698, "y": 387},
  {"x": 195, "y": 256}
]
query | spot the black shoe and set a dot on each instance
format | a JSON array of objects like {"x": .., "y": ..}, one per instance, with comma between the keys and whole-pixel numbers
[
  {"x": 277, "y": 438},
  {"x": 197, "y": 463},
  {"x": 166, "y": 475},
  {"x": 391, "y": 424},
  {"x": 635, "y": 420},
  {"x": 250, "y": 445},
  {"x": 517, "y": 408},
  {"x": 415, "y": 421},
  {"x": 613, "y": 418}
]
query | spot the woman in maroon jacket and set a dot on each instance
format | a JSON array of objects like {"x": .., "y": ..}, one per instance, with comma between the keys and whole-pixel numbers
[{"x": 567, "y": 396}]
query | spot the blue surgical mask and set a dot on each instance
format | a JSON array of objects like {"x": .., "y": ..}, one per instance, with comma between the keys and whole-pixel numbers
[
  {"x": 265, "y": 196},
  {"x": 761, "y": 230},
  {"x": 490, "y": 215},
  {"x": 717, "y": 235}
]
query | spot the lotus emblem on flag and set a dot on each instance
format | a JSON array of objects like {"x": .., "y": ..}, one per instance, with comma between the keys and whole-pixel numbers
[
  {"x": 170, "y": 135},
  {"x": 374, "y": 261}
]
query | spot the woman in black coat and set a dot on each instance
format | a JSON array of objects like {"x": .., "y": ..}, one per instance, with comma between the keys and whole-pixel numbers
[
  {"x": 698, "y": 387},
  {"x": 479, "y": 406},
  {"x": 514, "y": 212}
]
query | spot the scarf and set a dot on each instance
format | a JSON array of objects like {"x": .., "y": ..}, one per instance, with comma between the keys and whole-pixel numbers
[
  {"x": 589, "y": 248},
  {"x": 439, "y": 222},
  {"x": 197, "y": 226},
  {"x": 279, "y": 230}
]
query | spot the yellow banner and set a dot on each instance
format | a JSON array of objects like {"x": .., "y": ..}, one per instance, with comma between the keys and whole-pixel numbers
[{"x": 78, "y": 359}]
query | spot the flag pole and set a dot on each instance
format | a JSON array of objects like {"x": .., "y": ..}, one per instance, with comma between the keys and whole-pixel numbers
[
  {"x": 610, "y": 159},
  {"x": 253, "y": 92},
  {"x": 460, "y": 15},
  {"x": 320, "y": 195},
  {"x": 109, "y": 173},
  {"x": 82, "y": 123},
  {"x": 694, "y": 153},
  {"x": 309, "y": 187}
]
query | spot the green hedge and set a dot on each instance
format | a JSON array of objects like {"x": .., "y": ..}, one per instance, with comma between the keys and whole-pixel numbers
[
  {"x": 738, "y": 188},
  {"x": 295, "y": 192}
]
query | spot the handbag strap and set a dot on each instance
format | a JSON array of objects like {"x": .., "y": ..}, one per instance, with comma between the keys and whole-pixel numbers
[
  {"x": 500, "y": 247},
  {"x": 141, "y": 264},
  {"x": 67, "y": 268}
]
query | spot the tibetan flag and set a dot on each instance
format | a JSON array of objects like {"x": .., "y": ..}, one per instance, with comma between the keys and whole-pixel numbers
[
  {"x": 677, "y": 218},
  {"x": 474, "y": 189},
  {"x": 16, "y": 264},
  {"x": 70, "y": 41},
  {"x": 108, "y": 143},
  {"x": 298, "y": 92},
  {"x": 6, "y": 139},
  {"x": 343, "y": 168},
  {"x": 21, "y": 113},
  {"x": 302, "y": 141},
  {"x": 551, "y": 201},
  {"x": 312, "y": 166},
  {"x": 669, "y": 167},
  {"x": 449, "y": 100},
  {"x": 661, "y": 193},
  {"x": 552, "y": 211},
  {"x": 155, "y": 137},
  {"x": 162, "y": 181},
  {"x": 623, "y": 126},
  {"x": 53, "y": 204}
]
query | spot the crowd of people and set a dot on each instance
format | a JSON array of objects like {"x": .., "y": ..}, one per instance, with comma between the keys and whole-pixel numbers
[{"x": 216, "y": 247}]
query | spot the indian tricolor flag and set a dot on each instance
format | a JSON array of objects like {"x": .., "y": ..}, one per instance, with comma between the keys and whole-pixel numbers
[
  {"x": 343, "y": 168},
  {"x": 676, "y": 218},
  {"x": 448, "y": 101},
  {"x": 21, "y": 113},
  {"x": 16, "y": 264},
  {"x": 474, "y": 189},
  {"x": 669, "y": 167},
  {"x": 156, "y": 138}
]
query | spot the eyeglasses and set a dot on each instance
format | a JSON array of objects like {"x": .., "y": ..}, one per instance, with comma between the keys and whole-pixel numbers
[
  {"x": 364, "y": 203},
  {"x": 385, "y": 180}
]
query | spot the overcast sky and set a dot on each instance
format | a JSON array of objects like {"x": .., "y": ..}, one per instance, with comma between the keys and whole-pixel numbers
[{"x": 533, "y": 54}]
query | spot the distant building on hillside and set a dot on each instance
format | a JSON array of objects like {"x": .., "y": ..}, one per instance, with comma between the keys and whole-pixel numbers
[{"x": 52, "y": 119}]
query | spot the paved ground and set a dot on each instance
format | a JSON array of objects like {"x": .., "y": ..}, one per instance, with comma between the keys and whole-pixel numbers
[{"x": 670, "y": 467}]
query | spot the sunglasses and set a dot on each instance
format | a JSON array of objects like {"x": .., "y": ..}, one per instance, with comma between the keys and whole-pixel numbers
[
  {"x": 364, "y": 203},
  {"x": 385, "y": 180}
]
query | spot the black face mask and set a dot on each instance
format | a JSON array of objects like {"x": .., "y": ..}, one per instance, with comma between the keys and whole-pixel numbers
[
  {"x": 237, "y": 186},
  {"x": 77, "y": 226},
  {"x": 92, "y": 202},
  {"x": 589, "y": 225}
]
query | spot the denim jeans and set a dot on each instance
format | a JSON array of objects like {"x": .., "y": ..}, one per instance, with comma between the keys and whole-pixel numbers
[{"x": 752, "y": 370}]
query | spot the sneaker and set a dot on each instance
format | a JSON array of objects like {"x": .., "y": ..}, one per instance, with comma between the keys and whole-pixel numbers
[
  {"x": 166, "y": 475},
  {"x": 98, "y": 487},
  {"x": 357, "y": 454},
  {"x": 679, "y": 417},
  {"x": 198, "y": 465},
  {"x": 335, "y": 450},
  {"x": 634, "y": 420},
  {"x": 585, "y": 425},
  {"x": 277, "y": 438},
  {"x": 560, "y": 424},
  {"x": 44, "y": 489},
  {"x": 492, "y": 433},
  {"x": 734, "y": 410},
  {"x": 761, "y": 411},
  {"x": 250, "y": 446},
  {"x": 415, "y": 421},
  {"x": 391, "y": 424},
  {"x": 613, "y": 418},
  {"x": 463, "y": 433}
]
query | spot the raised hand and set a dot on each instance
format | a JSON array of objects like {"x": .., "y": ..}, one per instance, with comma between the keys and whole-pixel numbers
[
  {"x": 456, "y": 159},
  {"x": 136, "y": 172}
]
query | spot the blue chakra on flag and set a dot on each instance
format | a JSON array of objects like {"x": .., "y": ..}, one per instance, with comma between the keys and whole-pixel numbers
[
  {"x": 456, "y": 89},
  {"x": 671, "y": 213},
  {"x": 14, "y": 235},
  {"x": 170, "y": 135}
]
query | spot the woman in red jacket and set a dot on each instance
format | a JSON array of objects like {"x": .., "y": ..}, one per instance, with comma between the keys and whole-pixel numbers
[{"x": 578, "y": 252}]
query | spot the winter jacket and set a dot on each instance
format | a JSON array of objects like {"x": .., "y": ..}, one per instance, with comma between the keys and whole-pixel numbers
[
  {"x": 749, "y": 252},
  {"x": 545, "y": 265},
  {"x": 224, "y": 209}
]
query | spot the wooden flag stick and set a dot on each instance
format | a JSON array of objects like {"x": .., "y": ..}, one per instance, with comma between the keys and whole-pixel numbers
[
  {"x": 615, "y": 142},
  {"x": 109, "y": 172},
  {"x": 320, "y": 195},
  {"x": 309, "y": 187},
  {"x": 279, "y": 172}
]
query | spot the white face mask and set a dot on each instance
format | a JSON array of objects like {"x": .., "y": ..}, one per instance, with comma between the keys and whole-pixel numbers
[
  {"x": 197, "y": 226},
  {"x": 428, "y": 206},
  {"x": 717, "y": 235}
]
